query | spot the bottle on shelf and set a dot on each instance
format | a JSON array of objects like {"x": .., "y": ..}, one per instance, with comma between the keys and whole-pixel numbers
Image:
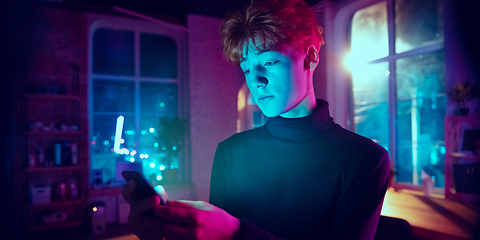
[{"x": 40, "y": 157}]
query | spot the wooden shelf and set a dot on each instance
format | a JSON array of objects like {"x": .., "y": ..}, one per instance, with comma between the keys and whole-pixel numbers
[
  {"x": 50, "y": 169},
  {"x": 56, "y": 204},
  {"x": 454, "y": 126},
  {"x": 52, "y": 97},
  {"x": 107, "y": 191},
  {"x": 467, "y": 156},
  {"x": 53, "y": 133},
  {"x": 68, "y": 223},
  {"x": 68, "y": 111}
]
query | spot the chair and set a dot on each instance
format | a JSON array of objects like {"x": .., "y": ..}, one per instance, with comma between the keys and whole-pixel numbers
[{"x": 390, "y": 228}]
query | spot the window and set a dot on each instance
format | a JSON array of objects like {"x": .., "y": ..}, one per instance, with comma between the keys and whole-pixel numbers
[
  {"x": 249, "y": 115},
  {"x": 137, "y": 79},
  {"x": 398, "y": 85}
]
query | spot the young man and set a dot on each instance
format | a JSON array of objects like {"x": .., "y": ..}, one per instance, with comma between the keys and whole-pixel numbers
[{"x": 300, "y": 176}]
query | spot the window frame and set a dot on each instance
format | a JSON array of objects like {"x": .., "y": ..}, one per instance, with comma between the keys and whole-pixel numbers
[
  {"x": 340, "y": 82},
  {"x": 176, "y": 33}
]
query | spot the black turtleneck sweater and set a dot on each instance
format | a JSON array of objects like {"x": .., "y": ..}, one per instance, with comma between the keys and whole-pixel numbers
[{"x": 301, "y": 178}]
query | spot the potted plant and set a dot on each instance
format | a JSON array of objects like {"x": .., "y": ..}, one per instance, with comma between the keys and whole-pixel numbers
[
  {"x": 462, "y": 93},
  {"x": 171, "y": 139}
]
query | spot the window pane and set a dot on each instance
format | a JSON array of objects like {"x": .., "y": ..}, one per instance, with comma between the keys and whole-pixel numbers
[
  {"x": 159, "y": 153},
  {"x": 149, "y": 127},
  {"x": 370, "y": 96},
  {"x": 369, "y": 33},
  {"x": 417, "y": 23},
  {"x": 421, "y": 104},
  {"x": 158, "y": 56},
  {"x": 159, "y": 98},
  {"x": 113, "y": 52},
  {"x": 113, "y": 96},
  {"x": 103, "y": 140},
  {"x": 159, "y": 101}
]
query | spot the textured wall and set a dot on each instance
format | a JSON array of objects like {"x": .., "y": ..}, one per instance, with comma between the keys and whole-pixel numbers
[{"x": 213, "y": 86}]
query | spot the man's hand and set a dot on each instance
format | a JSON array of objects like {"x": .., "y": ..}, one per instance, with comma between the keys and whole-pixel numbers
[
  {"x": 184, "y": 220},
  {"x": 197, "y": 220},
  {"x": 146, "y": 227}
]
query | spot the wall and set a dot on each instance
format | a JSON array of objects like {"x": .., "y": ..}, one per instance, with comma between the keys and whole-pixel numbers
[
  {"x": 214, "y": 85},
  {"x": 461, "y": 47},
  {"x": 320, "y": 75}
]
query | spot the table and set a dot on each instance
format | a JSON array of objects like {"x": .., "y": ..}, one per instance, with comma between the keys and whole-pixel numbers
[{"x": 433, "y": 217}]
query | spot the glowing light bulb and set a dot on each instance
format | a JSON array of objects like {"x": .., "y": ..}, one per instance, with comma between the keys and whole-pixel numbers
[
  {"x": 94, "y": 209},
  {"x": 118, "y": 137}
]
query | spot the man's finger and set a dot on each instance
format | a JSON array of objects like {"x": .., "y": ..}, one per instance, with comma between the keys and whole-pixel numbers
[
  {"x": 138, "y": 208},
  {"x": 190, "y": 204},
  {"x": 173, "y": 231},
  {"x": 161, "y": 191},
  {"x": 182, "y": 215}
]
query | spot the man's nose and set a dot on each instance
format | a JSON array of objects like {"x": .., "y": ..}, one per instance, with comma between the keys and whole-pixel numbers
[{"x": 260, "y": 80}]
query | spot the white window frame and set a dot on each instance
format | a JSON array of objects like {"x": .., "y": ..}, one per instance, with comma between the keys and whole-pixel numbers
[
  {"x": 175, "y": 32},
  {"x": 339, "y": 80}
]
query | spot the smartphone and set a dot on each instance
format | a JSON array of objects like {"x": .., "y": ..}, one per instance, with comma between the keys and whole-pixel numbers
[{"x": 143, "y": 189}]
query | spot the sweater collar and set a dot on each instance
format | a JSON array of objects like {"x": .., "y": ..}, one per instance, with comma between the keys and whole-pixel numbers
[{"x": 297, "y": 128}]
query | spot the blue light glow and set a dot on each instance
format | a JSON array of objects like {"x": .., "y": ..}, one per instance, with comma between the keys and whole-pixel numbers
[{"x": 443, "y": 150}]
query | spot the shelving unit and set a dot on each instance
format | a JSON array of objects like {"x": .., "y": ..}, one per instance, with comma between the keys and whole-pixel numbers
[
  {"x": 53, "y": 168},
  {"x": 462, "y": 167}
]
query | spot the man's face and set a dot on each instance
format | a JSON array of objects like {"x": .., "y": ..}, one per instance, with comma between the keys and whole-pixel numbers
[{"x": 277, "y": 79}]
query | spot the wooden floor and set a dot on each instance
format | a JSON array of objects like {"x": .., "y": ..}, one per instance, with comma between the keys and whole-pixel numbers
[{"x": 431, "y": 218}]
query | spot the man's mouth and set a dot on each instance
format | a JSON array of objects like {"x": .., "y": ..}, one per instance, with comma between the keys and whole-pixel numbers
[{"x": 262, "y": 98}]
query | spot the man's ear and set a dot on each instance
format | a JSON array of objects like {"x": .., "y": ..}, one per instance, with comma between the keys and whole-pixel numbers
[{"x": 311, "y": 60}]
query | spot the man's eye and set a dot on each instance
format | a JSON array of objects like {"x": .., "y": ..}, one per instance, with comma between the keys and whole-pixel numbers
[
  {"x": 246, "y": 71},
  {"x": 270, "y": 63}
]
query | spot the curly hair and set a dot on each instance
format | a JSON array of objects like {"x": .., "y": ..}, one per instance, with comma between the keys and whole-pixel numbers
[{"x": 270, "y": 24}]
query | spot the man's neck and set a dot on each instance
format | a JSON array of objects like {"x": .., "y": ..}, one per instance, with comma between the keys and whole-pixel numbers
[{"x": 303, "y": 109}]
